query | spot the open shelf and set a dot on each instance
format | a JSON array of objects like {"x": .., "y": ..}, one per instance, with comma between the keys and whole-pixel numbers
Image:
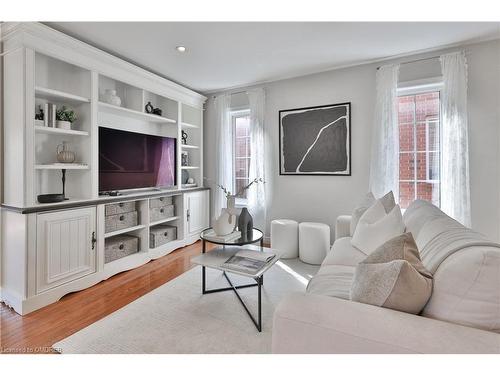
[
  {"x": 189, "y": 167},
  {"x": 62, "y": 166},
  {"x": 125, "y": 230},
  {"x": 48, "y": 129},
  {"x": 190, "y": 146},
  {"x": 188, "y": 125},
  {"x": 164, "y": 220},
  {"x": 126, "y": 112},
  {"x": 56, "y": 95}
]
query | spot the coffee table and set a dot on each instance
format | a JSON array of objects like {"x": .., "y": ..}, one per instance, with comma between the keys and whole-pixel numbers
[{"x": 217, "y": 257}]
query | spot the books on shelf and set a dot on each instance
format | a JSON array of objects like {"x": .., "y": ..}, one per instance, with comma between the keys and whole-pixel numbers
[
  {"x": 248, "y": 261},
  {"x": 212, "y": 236},
  {"x": 49, "y": 118}
]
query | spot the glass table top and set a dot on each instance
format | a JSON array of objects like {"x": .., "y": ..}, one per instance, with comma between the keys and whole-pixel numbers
[{"x": 254, "y": 236}]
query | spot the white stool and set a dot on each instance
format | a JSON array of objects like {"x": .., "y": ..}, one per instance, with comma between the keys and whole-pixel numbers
[
  {"x": 285, "y": 237},
  {"x": 314, "y": 242}
]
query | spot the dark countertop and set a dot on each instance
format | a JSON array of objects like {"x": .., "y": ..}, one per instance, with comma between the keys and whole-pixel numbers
[{"x": 42, "y": 207}]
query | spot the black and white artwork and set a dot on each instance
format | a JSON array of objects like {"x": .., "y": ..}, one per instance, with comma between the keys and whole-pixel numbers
[{"x": 316, "y": 140}]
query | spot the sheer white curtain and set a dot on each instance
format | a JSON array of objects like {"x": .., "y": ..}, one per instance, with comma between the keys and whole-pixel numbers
[
  {"x": 384, "y": 165},
  {"x": 223, "y": 151},
  {"x": 455, "y": 188},
  {"x": 257, "y": 193}
]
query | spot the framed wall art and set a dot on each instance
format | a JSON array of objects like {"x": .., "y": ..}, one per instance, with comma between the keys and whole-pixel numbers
[{"x": 315, "y": 140}]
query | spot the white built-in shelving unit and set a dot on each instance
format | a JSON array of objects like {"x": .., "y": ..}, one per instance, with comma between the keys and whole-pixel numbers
[
  {"x": 54, "y": 249},
  {"x": 67, "y": 81}
]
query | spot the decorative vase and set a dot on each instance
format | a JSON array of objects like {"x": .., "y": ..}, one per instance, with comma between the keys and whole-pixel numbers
[
  {"x": 225, "y": 224},
  {"x": 66, "y": 125},
  {"x": 63, "y": 154},
  {"x": 185, "y": 176},
  {"x": 110, "y": 97},
  {"x": 245, "y": 223}
]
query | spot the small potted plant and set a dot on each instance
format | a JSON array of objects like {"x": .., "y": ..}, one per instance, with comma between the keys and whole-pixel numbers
[{"x": 65, "y": 117}]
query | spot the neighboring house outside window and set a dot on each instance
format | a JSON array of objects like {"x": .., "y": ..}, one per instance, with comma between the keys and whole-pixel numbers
[
  {"x": 241, "y": 149},
  {"x": 419, "y": 146}
]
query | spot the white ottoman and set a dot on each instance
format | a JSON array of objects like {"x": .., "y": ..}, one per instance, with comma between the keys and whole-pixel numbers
[
  {"x": 314, "y": 242},
  {"x": 285, "y": 237}
]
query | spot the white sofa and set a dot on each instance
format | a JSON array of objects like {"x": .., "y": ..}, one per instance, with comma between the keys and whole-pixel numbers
[{"x": 462, "y": 315}]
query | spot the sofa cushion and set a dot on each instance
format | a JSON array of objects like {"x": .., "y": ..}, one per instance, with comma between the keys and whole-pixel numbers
[
  {"x": 376, "y": 227},
  {"x": 465, "y": 265},
  {"x": 467, "y": 289},
  {"x": 393, "y": 276},
  {"x": 332, "y": 280},
  {"x": 344, "y": 254}
]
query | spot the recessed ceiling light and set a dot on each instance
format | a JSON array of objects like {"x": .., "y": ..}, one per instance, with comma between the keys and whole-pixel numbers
[{"x": 180, "y": 48}]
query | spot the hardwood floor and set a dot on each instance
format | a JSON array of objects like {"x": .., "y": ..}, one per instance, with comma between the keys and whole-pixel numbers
[{"x": 38, "y": 331}]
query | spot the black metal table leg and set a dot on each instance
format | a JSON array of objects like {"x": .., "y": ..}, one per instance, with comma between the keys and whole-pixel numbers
[
  {"x": 261, "y": 279},
  {"x": 203, "y": 268}
]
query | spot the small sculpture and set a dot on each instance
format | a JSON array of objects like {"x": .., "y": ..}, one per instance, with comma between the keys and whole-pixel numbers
[
  {"x": 40, "y": 115},
  {"x": 149, "y": 108},
  {"x": 184, "y": 137},
  {"x": 64, "y": 155},
  {"x": 157, "y": 111}
]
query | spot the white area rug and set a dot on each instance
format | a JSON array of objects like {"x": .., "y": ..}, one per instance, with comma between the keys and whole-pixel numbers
[{"x": 177, "y": 318}]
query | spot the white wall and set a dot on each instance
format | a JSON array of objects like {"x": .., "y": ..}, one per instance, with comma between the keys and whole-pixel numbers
[{"x": 323, "y": 198}]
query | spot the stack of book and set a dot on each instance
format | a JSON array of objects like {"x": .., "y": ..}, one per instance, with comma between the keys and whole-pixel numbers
[
  {"x": 248, "y": 261},
  {"x": 212, "y": 236},
  {"x": 49, "y": 118}
]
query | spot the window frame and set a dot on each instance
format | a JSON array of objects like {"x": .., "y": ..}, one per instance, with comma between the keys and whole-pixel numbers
[
  {"x": 238, "y": 113},
  {"x": 419, "y": 87}
]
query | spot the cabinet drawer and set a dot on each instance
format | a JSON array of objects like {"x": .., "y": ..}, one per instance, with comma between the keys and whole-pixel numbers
[
  {"x": 119, "y": 208},
  {"x": 162, "y": 234},
  {"x": 120, "y": 221},
  {"x": 120, "y": 246},
  {"x": 160, "y": 202},
  {"x": 160, "y": 213}
]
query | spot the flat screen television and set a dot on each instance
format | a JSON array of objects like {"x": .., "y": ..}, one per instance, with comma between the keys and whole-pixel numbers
[{"x": 130, "y": 160}]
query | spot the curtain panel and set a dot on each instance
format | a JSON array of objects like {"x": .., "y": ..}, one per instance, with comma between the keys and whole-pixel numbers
[
  {"x": 455, "y": 184},
  {"x": 384, "y": 164}
]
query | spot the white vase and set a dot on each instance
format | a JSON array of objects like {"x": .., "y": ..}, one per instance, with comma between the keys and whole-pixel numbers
[
  {"x": 225, "y": 224},
  {"x": 66, "y": 125},
  {"x": 110, "y": 97}
]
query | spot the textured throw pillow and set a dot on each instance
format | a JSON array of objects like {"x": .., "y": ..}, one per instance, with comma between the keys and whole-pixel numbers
[
  {"x": 393, "y": 276},
  {"x": 376, "y": 227},
  {"x": 360, "y": 209},
  {"x": 388, "y": 201}
]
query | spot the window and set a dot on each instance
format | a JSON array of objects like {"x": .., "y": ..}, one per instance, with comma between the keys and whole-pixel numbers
[
  {"x": 241, "y": 149},
  {"x": 419, "y": 147}
]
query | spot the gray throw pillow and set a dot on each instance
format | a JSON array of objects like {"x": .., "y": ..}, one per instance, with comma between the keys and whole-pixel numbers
[
  {"x": 394, "y": 277},
  {"x": 388, "y": 202}
]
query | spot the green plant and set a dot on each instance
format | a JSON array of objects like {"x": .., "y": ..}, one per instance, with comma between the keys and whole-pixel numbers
[{"x": 65, "y": 114}]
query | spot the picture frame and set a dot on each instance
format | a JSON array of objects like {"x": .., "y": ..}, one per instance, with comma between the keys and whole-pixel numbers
[{"x": 315, "y": 141}]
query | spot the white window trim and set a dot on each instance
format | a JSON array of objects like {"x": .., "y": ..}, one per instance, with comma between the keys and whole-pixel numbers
[
  {"x": 235, "y": 113},
  {"x": 417, "y": 87}
]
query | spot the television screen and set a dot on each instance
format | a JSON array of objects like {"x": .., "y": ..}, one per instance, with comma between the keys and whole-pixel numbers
[{"x": 130, "y": 160}]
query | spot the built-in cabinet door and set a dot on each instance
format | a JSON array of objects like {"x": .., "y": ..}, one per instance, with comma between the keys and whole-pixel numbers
[
  {"x": 65, "y": 246},
  {"x": 196, "y": 206}
]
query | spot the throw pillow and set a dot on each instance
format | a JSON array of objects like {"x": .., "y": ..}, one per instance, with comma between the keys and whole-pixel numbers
[
  {"x": 376, "y": 227},
  {"x": 360, "y": 209},
  {"x": 388, "y": 201},
  {"x": 394, "y": 277}
]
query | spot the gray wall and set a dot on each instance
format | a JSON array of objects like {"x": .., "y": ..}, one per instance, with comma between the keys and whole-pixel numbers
[{"x": 323, "y": 198}]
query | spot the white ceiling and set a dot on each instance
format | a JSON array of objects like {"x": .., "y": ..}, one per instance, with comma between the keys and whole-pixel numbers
[{"x": 225, "y": 55}]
